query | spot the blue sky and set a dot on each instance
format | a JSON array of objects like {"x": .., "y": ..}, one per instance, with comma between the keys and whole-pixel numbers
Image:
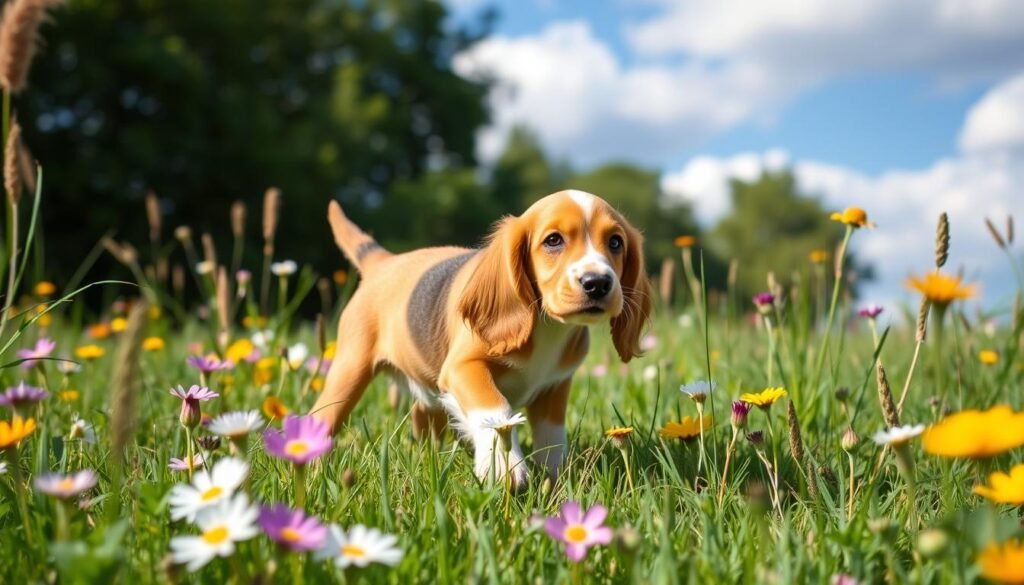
[{"x": 904, "y": 107}]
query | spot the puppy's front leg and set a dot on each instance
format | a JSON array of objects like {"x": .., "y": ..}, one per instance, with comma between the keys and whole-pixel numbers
[
  {"x": 547, "y": 418},
  {"x": 479, "y": 408}
]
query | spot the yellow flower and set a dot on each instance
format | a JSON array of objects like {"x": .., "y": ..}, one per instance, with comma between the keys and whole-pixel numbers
[
  {"x": 154, "y": 312},
  {"x": 940, "y": 289},
  {"x": 976, "y": 433},
  {"x": 988, "y": 357},
  {"x": 619, "y": 432},
  {"x": 685, "y": 241},
  {"x": 89, "y": 352},
  {"x": 687, "y": 428},
  {"x": 12, "y": 434},
  {"x": 1003, "y": 564},
  {"x": 853, "y": 216},
  {"x": 44, "y": 320},
  {"x": 330, "y": 350},
  {"x": 45, "y": 288},
  {"x": 153, "y": 344},
  {"x": 1004, "y": 488},
  {"x": 274, "y": 408},
  {"x": 340, "y": 277},
  {"x": 118, "y": 324},
  {"x": 818, "y": 256},
  {"x": 764, "y": 398},
  {"x": 99, "y": 331},
  {"x": 239, "y": 350},
  {"x": 317, "y": 384},
  {"x": 251, "y": 322},
  {"x": 69, "y": 395}
]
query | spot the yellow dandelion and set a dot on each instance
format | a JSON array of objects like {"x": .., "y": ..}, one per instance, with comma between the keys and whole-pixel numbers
[
  {"x": 274, "y": 408},
  {"x": 818, "y": 256},
  {"x": 99, "y": 331},
  {"x": 687, "y": 428},
  {"x": 853, "y": 216},
  {"x": 45, "y": 288},
  {"x": 764, "y": 398},
  {"x": 976, "y": 433},
  {"x": 941, "y": 289},
  {"x": 330, "y": 350},
  {"x": 685, "y": 241},
  {"x": 153, "y": 344},
  {"x": 317, "y": 384},
  {"x": 988, "y": 357},
  {"x": 1003, "y": 564},
  {"x": 118, "y": 324},
  {"x": 69, "y": 395},
  {"x": 618, "y": 432},
  {"x": 12, "y": 433},
  {"x": 239, "y": 350},
  {"x": 89, "y": 352}
]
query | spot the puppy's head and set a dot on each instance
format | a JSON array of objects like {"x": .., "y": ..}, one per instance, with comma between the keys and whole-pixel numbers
[{"x": 570, "y": 255}]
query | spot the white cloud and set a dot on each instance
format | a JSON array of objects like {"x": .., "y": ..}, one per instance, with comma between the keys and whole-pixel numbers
[{"x": 996, "y": 122}]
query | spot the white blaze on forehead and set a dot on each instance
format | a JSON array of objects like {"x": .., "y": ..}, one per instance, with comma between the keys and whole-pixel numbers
[
  {"x": 584, "y": 200},
  {"x": 592, "y": 260}
]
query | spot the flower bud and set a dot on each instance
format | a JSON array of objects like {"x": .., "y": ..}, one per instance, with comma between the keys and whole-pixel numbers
[
  {"x": 191, "y": 414},
  {"x": 627, "y": 539},
  {"x": 842, "y": 393},
  {"x": 849, "y": 440},
  {"x": 348, "y": 478},
  {"x": 756, "y": 439},
  {"x": 932, "y": 542},
  {"x": 740, "y": 410}
]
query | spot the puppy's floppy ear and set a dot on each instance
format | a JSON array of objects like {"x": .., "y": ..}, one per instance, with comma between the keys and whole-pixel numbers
[
  {"x": 636, "y": 298},
  {"x": 499, "y": 301}
]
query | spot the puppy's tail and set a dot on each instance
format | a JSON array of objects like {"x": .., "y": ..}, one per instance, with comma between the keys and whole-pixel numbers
[{"x": 358, "y": 246}]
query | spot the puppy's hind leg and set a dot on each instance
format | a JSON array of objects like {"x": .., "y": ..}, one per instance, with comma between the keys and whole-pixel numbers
[{"x": 350, "y": 373}]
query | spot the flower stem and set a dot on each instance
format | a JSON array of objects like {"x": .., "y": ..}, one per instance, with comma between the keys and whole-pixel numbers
[
  {"x": 19, "y": 491},
  {"x": 840, "y": 261},
  {"x": 725, "y": 469},
  {"x": 189, "y": 452},
  {"x": 849, "y": 503},
  {"x": 300, "y": 486}
]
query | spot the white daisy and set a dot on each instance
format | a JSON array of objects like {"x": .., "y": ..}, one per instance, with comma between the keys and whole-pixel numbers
[
  {"x": 207, "y": 488},
  {"x": 263, "y": 339},
  {"x": 897, "y": 435},
  {"x": 205, "y": 267},
  {"x": 296, "y": 355},
  {"x": 360, "y": 547},
  {"x": 651, "y": 373},
  {"x": 503, "y": 422},
  {"x": 222, "y": 526},
  {"x": 3, "y": 467},
  {"x": 82, "y": 430},
  {"x": 698, "y": 391},
  {"x": 234, "y": 425},
  {"x": 284, "y": 268}
]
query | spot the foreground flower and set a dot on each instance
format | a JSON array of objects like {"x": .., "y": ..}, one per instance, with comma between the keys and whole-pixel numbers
[
  {"x": 208, "y": 488},
  {"x": 235, "y": 425},
  {"x": 89, "y": 352},
  {"x": 209, "y": 364},
  {"x": 66, "y": 486},
  {"x": 698, "y": 391},
  {"x": 274, "y": 409},
  {"x": 687, "y": 428},
  {"x": 578, "y": 530},
  {"x": 618, "y": 432},
  {"x": 765, "y": 398},
  {"x": 976, "y": 433},
  {"x": 739, "y": 414},
  {"x": 1004, "y": 488},
  {"x": 1003, "y": 563},
  {"x": 897, "y": 435},
  {"x": 359, "y": 547},
  {"x": 222, "y": 526},
  {"x": 292, "y": 528},
  {"x": 941, "y": 289},
  {"x": 303, "y": 439},
  {"x": 175, "y": 464},
  {"x": 296, "y": 354},
  {"x": 12, "y": 433},
  {"x": 42, "y": 349},
  {"x": 870, "y": 311},
  {"x": 191, "y": 413},
  {"x": 503, "y": 423},
  {"x": 22, "y": 396},
  {"x": 853, "y": 216}
]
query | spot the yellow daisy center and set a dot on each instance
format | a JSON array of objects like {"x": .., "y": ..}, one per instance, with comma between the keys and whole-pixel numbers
[
  {"x": 215, "y": 535},
  {"x": 575, "y": 533},
  {"x": 290, "y": 535},
  {"x": 296, "y": 447},
  {"x": 66, "y": 484},
  {"x": 353, "y": 551},
  {"x": 211, "y": 493}
]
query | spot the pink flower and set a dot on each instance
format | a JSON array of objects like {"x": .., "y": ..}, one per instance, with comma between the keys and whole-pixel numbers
[
  {"x": 210, "y": 364},
  {"x": 302, "y": 439},
  {"x": 578, "y": 530},
  {"x": 870, "y": 311},
  {"x": 191, "y": 414},
  {"x": 292, "y": 528},
  {"x": 600, "y": 371},
  {"x": 66, "y": 486},
  {"x": 22, "y": 396},
  {"x": 648, "y": 342},
  {"x": 176, "y": 464},
  {"x": 43, "y": 348}
]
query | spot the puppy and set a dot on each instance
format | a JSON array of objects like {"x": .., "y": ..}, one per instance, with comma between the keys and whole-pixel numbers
[{"x": 476, "y": 334}]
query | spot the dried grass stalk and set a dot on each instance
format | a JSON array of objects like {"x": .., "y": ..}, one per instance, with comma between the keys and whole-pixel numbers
[
  {"x": 19, "y": 39},
  {"x": 12, "y": 184},
  {"x": 223, "y": 300},
  {"x": 238, "y": 219},
  {"x": 27, "y": 168},
  {"x": 942, "y": 240},
  {"x": 209, "y": 250},
  {"x": 796, "y": 442},
  {"x": 153, "y": 215},
  {"x": 922, "y": 321},
  {"x": 889, "y": 413},
  {"x": 666, "y": 281},
  {"x": 995, "y": 233},
  {"x": 123, "y": 414},
  {"x": 271, "y": 203}
]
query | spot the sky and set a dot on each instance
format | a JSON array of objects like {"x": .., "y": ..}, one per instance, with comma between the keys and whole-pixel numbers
[{"x": 906, "y": 108}]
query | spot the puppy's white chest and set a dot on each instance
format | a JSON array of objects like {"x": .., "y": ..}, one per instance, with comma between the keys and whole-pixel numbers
[{"x": 545, "y": 366}]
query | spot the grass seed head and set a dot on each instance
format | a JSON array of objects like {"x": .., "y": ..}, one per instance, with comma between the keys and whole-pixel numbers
[
  {"x": 995, "y": 233},
  {"x": 19, "y": 39},
  {"x": 12, "y": 184},
  {"x": 889, "y": 413}
]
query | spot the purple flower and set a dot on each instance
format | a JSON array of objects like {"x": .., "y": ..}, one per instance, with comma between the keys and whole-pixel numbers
[
  {"x": 311, "y": 365},
  {"x": 740, "y": 410},
  {"x": 176, "y": 464},
  {"x": 764, "y": 299},
  {"x": 191, "y": 414},
  {"x": 870, "y": 311},
  {"x": 292, "y": 528},
  {"x": 22, "y": 395},
  {"x": 578, "y": 530},
  {"x": 756, "y": 438},
  {"x": 209, "y": 364},
  {"x": 66, "y": 486},
  {"x": 42, "y": 349},
  {"x": 303, "y": 439}
]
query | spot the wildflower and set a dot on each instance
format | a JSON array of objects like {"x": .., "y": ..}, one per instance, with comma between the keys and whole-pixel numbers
[
  {"x": 209, "y": 364},
  {"x": 842, "y": 579},
  {"x": 22, "y": 396},
  {"x": 738, "y": 417},
  {"x": 988, "y": 357},
  {"x": 1003, "y": 563},
  {"x": 765, "y": 398},
  {"x": 190, "y": 399},
  {"x": 618, "y": 432},
  {"x": 292, "y": 528},
  {"x": 698, "y": 391},
  {"x": 274, "y": 408},
  {"x": 756, "y": 438},
  {"x": 45, "y": 288},
  {"x": 243, "y": 277},
  {"x": 89, "y": 352},
  {"x": 687, "y": 428},
  {"x": 340, "y": 277},
  {"x": 1004, "y": 488},
  {"x": 648, "y": 342},
  {"x": 296, "y": 354},
  {"x": 205, "y": 267},
  {"x": 82, "y": 430},
  {"x": 69, "y": 395},
  {"x": 870, "y": 311},
  {"x": 976, "y": 433},
  {"x": 849, "y": 441},
  {"x": 42, "y": 349},
  {"x": 208, "y": 443},
  {"x": 176, "y": 464},
  {"x": 685, "y": 241},
  {"x": 764, "y": 299},
  {"x": 897, "y": 435},
  {"x": 99, "y": 331},
  {"x": 330, "y": 350},
  {"x": 599, "y": 371},
  {"x": 208, "y": 488},
  {"x": 853, "y": 216},
  {"x": 153, "y": 344},
  {"x": 234, "y": 425},
  {"x": 359, "y": 547},
  {"x": 818, "y": 256},
  {"x": 240, "y": 351},
  {"x": 932, "y": 542},
  {"x": 222, "y": 526},
  {"x": 284, "y": 268},
  {"x": 940, "y": 289},
  {"x": 578, "y": 530},
  {"x": 66, "y": 486},
  {"x": 118, "y": 324},
  {"x": 12, "y": 433},
  {"x": 503, "y": 423},
  {"x": 303, "y": 439},
  {"x": 3, "y": 467}
]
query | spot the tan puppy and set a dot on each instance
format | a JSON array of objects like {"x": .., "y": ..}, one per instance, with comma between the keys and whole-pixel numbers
[{"x": 478, "y": 334}]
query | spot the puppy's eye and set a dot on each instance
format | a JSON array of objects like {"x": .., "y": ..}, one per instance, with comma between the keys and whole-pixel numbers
[
  {"x": 615, "y": 243},
  {"x": 554, "y": 241}
]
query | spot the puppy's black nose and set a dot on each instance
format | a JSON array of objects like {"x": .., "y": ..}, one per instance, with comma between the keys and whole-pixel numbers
[{"x": 596, "y": 285}]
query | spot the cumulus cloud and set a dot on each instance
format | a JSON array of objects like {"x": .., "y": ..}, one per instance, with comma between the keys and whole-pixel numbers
[{"x": 996, "y": 122}]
